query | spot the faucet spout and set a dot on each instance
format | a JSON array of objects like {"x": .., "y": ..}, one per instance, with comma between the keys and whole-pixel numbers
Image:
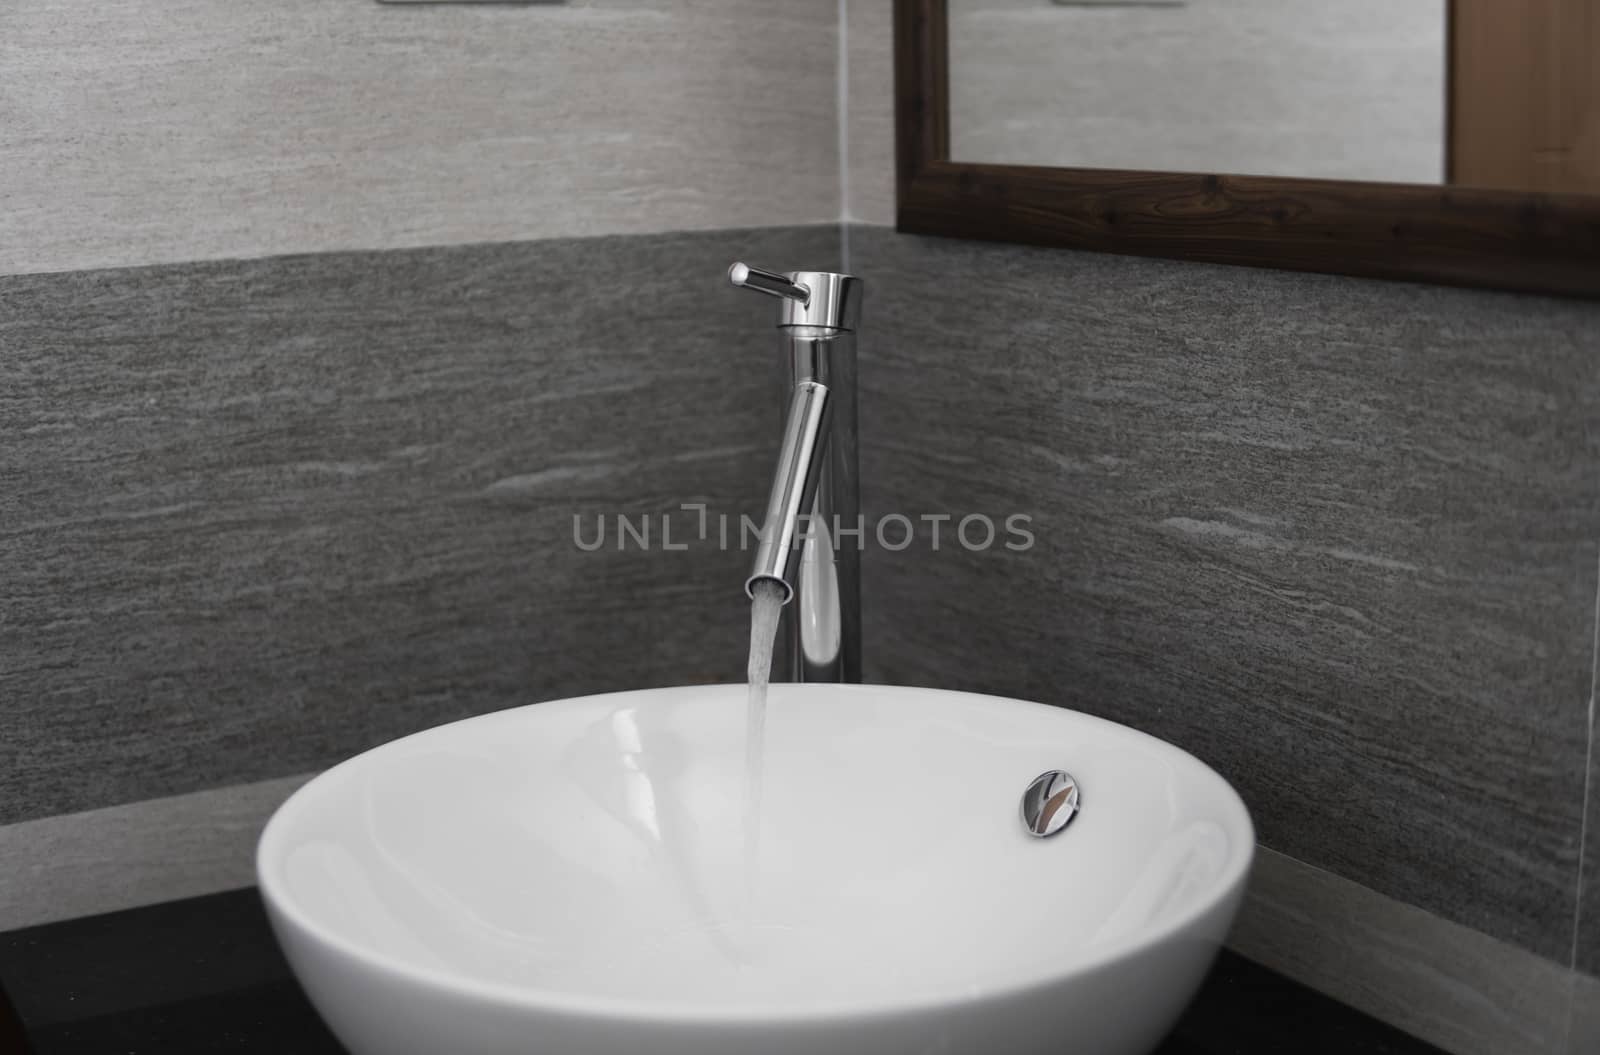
[
  {"x": 815, "y": 502},
  {"x": 794, "y": 489}
]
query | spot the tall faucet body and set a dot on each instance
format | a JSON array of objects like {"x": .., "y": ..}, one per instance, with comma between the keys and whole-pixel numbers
[{"x": 811, "y": 533}]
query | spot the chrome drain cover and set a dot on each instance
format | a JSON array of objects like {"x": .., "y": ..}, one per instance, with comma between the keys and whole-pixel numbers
[{"x": 1050, "y": 803}]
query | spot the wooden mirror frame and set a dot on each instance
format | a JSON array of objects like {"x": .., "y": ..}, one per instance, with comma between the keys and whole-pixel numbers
[{"x": 1531, "y": 241}]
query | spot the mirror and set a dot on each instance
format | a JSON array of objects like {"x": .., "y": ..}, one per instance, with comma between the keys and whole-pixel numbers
[
  {"x": 1453, "y": 141},
  {"x": 1484, "y": 93}
]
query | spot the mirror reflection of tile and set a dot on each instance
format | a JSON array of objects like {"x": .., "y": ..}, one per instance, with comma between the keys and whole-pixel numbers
[{"x": 1297, "y": 88}]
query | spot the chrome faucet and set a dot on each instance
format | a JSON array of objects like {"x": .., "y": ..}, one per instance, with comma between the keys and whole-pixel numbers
[{"x": 815, "y": 495}]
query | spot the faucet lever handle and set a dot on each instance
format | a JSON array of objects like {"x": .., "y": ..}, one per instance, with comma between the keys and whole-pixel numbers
[{"x": 769, "y": 282}]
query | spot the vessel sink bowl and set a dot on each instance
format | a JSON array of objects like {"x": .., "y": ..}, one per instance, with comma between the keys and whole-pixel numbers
[{"x": 578, "y": 877}]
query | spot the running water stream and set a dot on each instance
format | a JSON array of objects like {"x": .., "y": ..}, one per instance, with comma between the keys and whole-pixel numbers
[{"x": 766, "y": 604}]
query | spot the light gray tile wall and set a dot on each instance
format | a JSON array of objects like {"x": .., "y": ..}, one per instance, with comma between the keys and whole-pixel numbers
[
  {"x": 1337, "y": 537},
  {"x": 258, "y": 516},
  {"x": 137, "y": 853},
  {"x": 150, "y": 131},
  {"x": 869, "y": 120},
  {"x": 1451, "y": 985}
]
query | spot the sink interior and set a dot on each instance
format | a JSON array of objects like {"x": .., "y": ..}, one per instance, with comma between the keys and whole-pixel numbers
[{"x": 592, "y": 851}]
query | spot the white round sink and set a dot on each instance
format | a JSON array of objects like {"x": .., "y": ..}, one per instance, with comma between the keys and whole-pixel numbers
[{"x": 574, "y": 877}]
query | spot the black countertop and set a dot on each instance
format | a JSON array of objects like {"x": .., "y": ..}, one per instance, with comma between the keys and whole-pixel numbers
[{"x": 204, "y": 975}]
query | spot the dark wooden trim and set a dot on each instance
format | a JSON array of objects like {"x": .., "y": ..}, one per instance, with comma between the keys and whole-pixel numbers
[
  {"x": 1548, "y": 243},
  {"x": 922, "y": 87},
  {"x": 1450, "y": 22}
]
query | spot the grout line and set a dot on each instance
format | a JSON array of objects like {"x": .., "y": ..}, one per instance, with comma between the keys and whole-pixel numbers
[
  {"x": 1583, "y": 827},
  {"x": 842, "y": 105},
  {"x": 1588, "y": 770}
]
